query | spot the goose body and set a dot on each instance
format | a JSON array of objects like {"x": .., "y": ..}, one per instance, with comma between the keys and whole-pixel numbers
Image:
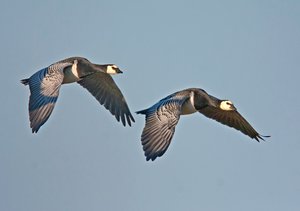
[
  {"x": 45, "y": 84},
  {"x": 162, "y": 118}
]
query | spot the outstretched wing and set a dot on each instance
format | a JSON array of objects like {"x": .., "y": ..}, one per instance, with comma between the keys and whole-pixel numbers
[
  {"x": 105, "y": 90},
  {"x": 161, "y": 120},
  {"x": 44, "y": 88},
  {"x": 232, "y": 119}
]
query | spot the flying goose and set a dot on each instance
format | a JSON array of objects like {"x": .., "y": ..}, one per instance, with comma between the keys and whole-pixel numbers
[
  {"x": 162, "y": 117},
  {"x": 45, "y": 84}
]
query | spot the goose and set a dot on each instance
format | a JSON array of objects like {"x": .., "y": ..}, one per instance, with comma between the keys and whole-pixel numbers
[
  {"x": 162, "y": 118},
  {"x": 45, "y": 84}
]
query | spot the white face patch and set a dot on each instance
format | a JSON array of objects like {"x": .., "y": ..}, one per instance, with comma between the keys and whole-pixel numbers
[
  {"x": 111, "y": 69},
  {"x": 227, "y": 105}
]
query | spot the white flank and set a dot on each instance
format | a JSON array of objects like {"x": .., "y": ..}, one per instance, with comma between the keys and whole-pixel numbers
[
  {"x": 74, "y": 69},
  {"x": 71, "y": 74},
  {"x": 188, "y": 107}
]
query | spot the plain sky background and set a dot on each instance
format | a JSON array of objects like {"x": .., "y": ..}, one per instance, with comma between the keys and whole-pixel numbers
[{"x": 83, "y": 159}]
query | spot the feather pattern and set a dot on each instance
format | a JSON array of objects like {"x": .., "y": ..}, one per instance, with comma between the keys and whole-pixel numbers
[
  {"x": 44, "y": 87},
  {"x": 161, "y": 120},
  {"x": 105, "y": 90}
]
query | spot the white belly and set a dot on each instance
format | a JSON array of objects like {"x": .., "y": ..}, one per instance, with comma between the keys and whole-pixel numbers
[
  {"x": 71, "y": 74},
  {"x": 188, "y": 107}
]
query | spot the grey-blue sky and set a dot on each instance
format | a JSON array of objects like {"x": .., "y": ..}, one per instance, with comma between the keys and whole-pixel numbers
[{"x": 82, "y": 159}]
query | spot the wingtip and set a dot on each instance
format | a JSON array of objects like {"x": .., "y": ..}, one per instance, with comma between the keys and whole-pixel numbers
[
  {"x": 151, "y": 156},
  {"x": 34, "y": 130},
  {"x": 129, "y": 119},
  {"x": 261, "y": 137},
  {"x": 148, "y": 158}
]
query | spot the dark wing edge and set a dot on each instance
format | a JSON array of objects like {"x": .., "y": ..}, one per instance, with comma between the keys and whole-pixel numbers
[{"x": 232, "y": 119}]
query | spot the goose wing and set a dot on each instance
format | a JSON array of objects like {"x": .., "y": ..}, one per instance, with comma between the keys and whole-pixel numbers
[
  {"x": 105, "y": 90},
  {"x": 232, "y": 119},
  {"x": 161, "y": 120},
  {"x": 44, "y": 90}
]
